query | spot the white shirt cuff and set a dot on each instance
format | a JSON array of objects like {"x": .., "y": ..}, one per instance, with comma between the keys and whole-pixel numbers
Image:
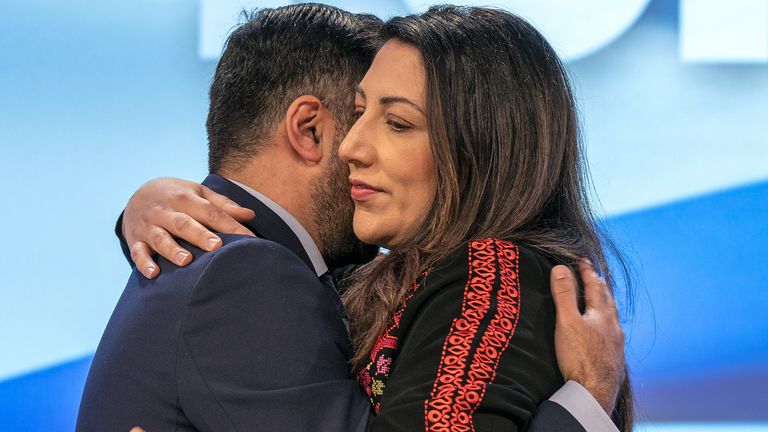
[{"x": 583, "y": 407}]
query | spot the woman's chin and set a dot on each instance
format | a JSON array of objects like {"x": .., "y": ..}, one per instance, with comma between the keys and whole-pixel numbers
[
  {"x": 368, "y": 234},
  {"x": 369, "y": 238}
]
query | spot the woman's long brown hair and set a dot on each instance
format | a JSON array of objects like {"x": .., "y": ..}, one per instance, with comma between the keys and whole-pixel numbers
[{"x": 505, "y": 139}]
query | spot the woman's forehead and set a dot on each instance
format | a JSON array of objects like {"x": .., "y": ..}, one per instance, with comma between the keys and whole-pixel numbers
[{"x": 398, "y": 70}]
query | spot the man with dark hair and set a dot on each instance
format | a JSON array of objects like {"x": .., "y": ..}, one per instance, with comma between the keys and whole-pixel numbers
[
  {"x": 251, "y": 334},
  {"x": 268, "y": 62}
]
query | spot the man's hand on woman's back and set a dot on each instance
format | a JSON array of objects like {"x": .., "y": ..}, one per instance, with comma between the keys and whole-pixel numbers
[{"x": 589, "y": 346}]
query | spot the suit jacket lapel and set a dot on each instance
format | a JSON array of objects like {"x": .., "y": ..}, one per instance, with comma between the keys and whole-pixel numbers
[{"x": 266, "y": 224}]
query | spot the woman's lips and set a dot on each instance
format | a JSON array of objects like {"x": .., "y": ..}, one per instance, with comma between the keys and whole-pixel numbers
[{"x": 362, "y": 191}]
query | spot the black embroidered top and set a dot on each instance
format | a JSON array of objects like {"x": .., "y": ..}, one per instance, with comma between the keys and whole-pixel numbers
[{"x": 471, "y": 347}]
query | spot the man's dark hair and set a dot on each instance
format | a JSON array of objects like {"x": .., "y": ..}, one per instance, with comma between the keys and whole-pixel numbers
[{"x": 276, "y": 56}]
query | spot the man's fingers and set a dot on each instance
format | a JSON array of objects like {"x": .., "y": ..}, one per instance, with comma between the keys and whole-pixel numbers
[
  {"x": 213, "y": 217},
  {"x": 594, "y": 286},
  {"x": 141, "y": 255},
  {"x": 564, "y": 293},
  {"x": 610, "y": 303},
  {"x": 239, "y": 213}
]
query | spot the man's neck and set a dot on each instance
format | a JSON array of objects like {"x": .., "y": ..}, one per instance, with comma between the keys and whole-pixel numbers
[
  {"x": 288, "y": 190},
  {"x": 307, "y": 242}
]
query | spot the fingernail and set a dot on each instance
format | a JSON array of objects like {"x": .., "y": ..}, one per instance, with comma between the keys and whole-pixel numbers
[
  {"x": 560, "y": 272},
  {"x": 182, "y": 256},
  {"x": 213, "y": 242},
  {"x": 148, "y": 270}
]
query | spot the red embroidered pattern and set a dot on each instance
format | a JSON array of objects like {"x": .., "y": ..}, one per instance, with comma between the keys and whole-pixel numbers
[
  {"x": 373, "y": 377},
  {"x": 458, "y": 390}
]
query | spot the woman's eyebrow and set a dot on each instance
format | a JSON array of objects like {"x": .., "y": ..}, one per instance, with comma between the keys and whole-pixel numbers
[{"x": 389, "y": 100}]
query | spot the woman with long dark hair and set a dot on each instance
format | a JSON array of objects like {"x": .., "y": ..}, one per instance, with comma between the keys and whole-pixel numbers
[{"x": 465, "y": 163}]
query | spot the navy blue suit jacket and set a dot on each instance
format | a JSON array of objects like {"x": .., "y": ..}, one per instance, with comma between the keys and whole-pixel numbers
[
  {"x": 245, "y": 338},
  {"x": 552, "y": 417}
]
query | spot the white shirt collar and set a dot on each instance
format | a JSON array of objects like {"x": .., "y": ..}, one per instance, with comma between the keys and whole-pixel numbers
[{"x": 306, "y": 240}]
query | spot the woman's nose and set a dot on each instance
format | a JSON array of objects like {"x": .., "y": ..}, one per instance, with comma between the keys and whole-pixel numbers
[{"x": 354, "y": 149}]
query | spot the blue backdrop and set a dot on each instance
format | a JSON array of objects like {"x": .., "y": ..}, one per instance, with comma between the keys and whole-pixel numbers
[{"x": 98, "y": 97}]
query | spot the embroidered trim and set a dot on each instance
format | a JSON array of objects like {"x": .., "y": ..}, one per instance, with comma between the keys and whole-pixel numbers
[
  {"x": 373, "y": 377},
  {"x": 458, "y": 389}
]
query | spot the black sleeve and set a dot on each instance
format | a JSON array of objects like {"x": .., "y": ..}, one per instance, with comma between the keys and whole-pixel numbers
[
  {"x": 480, "y": 352},
  {"x": 121, "y": 238},
  {"x": 264, "y": 347}
]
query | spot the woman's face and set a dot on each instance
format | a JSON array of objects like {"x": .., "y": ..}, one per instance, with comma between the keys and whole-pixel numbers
[{"x": 392, "y": 171}]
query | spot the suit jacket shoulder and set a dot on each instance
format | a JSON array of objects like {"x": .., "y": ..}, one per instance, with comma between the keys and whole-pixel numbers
[
  {"x": 254, "y": 291},
  {"x": 262, "y": 329},
  {"x": 244, "y": 338}
]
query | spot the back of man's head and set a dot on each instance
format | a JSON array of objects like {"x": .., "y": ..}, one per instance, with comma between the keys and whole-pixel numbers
[{"x": 276, "y": 56}]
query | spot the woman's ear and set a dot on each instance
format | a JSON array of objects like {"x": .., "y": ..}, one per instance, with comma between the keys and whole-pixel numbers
[{"x": 307, "y": 123}]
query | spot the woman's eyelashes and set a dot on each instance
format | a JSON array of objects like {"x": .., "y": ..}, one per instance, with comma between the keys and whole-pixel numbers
[{"x": 398, "y": 125}]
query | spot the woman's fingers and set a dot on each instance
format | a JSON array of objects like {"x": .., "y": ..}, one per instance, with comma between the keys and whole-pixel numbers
[
  {"x": 162, "y": 242},
  {"x": 141, "y": 255},
  {"x": 187, "y": 228},
  {"x": 207, "y": 214},
  {"x": 237, "y": 212},
  {"x": 166, "y": 208}
]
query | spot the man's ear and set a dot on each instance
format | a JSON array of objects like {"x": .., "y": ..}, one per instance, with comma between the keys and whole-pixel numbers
[{"x": 308, "y": 123}]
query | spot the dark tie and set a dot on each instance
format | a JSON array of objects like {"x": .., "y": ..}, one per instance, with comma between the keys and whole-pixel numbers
[{"x": 328, "y": 280}]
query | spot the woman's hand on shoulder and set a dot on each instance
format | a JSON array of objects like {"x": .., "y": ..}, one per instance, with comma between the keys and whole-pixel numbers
[{"x": 165, "y": 208}]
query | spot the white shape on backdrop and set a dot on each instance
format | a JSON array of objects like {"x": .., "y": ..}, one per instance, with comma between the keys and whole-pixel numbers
[
  {"x": 711, "y": 30},
  {"x": 717, "y": 31},
  {"x": 575, "y": 29}
]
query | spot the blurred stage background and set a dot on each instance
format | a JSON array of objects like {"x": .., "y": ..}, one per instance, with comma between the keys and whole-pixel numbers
[{"x": 98, "y": 97}]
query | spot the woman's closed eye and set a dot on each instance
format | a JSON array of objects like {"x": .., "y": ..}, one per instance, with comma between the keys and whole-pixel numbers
[{"x": 398, "y": 125}]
